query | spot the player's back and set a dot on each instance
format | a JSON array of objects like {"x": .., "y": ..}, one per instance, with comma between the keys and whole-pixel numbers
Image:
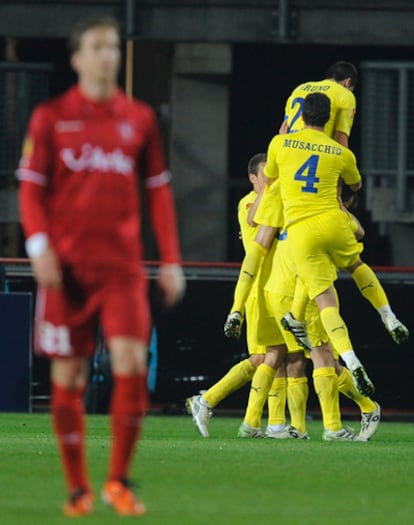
[
  {"x": 309, "y": 164},
  {"x": 342, "y": 106}
]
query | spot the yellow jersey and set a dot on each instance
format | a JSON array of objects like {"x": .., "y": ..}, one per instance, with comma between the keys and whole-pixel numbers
[
  {"x": 308, "y": 164},
  {"x": 247, "y": 232},
  {"x": 270, "y": 209},
  {"x": 343, "y": 106}
]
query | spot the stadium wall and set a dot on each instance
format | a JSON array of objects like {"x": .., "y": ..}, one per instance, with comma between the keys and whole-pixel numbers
[{"x": 192, "y": 352}]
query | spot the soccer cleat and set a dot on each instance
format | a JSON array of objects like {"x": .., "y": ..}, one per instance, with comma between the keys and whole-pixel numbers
[
  {"x": 363, "y": 383},
  {"x": 246, "y": 431},
  {"x": 232, "y": 326},
  {"x": 200, "y": 412},
  {"x": 288, "y": 432},
  {"x": 344, "y": 434},
  {"x": 118, "y": 494},
  {"x": 298, "y": 330},
  {"x": 397, "y": 330},
  {"x": 370, "y": 422},
  {"x": 80, "y": 503}
]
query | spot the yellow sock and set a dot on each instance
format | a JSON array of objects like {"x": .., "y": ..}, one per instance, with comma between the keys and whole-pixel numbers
[
  {"x": 300, "y": 300},
  {"x": 325, "y": 381},
  {"x": 261, "y": 383},
  {"x": 336, "y": 329},
  {"x": 276, "y": 401},
  {"x": 369, "y": 286},
  {"x": 297, "y": 397},
  {"x": 248, "y": 271},
  {"x": 346, "y": 386},
  {"x": 235, "y": 378}
]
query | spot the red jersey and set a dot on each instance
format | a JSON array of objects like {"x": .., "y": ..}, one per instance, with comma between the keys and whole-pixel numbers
[{"x": 79, "y": 170}]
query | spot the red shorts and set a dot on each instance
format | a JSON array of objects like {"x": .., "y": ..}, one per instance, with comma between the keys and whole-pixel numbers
[{"x": 66, "y": 320}]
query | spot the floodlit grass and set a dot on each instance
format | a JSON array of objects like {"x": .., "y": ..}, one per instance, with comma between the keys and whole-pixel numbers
[{"x": 188, "y": 480}]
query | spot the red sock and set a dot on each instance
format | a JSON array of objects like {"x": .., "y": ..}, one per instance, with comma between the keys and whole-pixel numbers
[
  {"x": 67, "y": 416},
  {"x": 128, "y": 405}
]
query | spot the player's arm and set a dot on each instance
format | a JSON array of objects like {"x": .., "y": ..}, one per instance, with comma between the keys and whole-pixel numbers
[
  {"x": 270, "y": 218},
  {"x": 163, "y": 218},
  {"x": 253, "y": 208},
  {"x": 346, "y": 199},
  {"x": 33, "y": 176},
  {"x": 356, "y": 226},
  {"x": 271, "y": 170},
  {"x": 350, "y": 173},
  {"x": 248, "y": 272},
  {"x": 342, "y": 138},
  {"x": 284, "y": 127},
  {"x": 345, "y": 119}
]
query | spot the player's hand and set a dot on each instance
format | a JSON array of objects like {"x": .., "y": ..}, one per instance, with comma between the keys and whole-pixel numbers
[
  {"x": 171, "y": 283},
  {"x": 47, "y": 269},
  {"x": 233, "y": 324},
  {"x": 284, "y": 128}
]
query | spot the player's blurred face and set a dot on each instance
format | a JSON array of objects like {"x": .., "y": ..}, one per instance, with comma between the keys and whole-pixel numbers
[
  {"x": 98, "y": 56},
  {"x": 258, "y": 179}
]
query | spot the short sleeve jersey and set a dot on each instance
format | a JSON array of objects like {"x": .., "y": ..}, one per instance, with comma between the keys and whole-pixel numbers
[
  {"x": 308, "y": 164},
  {"x": 270, "y": 209},
  {"x": 343, "y": 106},
  {"x": 247, "y": 232},
  {"x": 86, "y": 158}
]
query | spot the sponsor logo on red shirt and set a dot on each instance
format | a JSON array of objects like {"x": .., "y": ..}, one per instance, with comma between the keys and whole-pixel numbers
[{"x": 94, "y": 158}]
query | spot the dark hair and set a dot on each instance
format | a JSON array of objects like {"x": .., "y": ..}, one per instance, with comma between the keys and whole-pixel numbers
[
  {"x": 75, "y": 36},
  {"x": 254, "y": 162},
  {"x": 342, "y": 70},
  {"x": 316, "y": 109}
]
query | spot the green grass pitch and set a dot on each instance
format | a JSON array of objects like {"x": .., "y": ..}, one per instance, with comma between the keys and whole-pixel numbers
[{"x": 187, "y": 480}]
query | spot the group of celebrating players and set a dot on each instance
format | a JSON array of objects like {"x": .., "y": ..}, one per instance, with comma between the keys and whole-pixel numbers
[{"x": 297, "y": 233}]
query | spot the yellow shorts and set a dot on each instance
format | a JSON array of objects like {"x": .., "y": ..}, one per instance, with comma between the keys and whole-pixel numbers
[
  {"x": 252, "y": 313},
  {"x": 320, "y": 245},
  {"x": 279, "y": 305},
  {"x": 314, "y": 326},
  {"x": 269, "y": 333}
]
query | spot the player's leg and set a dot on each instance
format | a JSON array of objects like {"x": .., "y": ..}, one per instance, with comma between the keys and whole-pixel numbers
[
  {"x": 126, "y": 324},
  {"x": 294, "y": 320},
  {"x": 325, "y": 382},
  {"x": 370, "y": 410},
  {"x": 68, "y": 349},
  {"x": 337, "y": 332},
  {"x": 200, "y": 406},
  {"x": 129, "y": 402},
  {"x": 259, "y": 390},
  {"x": 297, "y": 396},
  {"x": 297, "y": 391},
  {"x": 278, "y": 294},
  {"x": 371, "y": 288},
  {"x": 69, "y": 376},
  {"x": 268, "y": 334},
  {"x": 332, "y": 245},
  {"x": 276, "y": 402}
]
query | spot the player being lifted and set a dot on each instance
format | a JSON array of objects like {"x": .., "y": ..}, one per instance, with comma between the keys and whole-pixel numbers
[
  {"x": 308, "y": 165},
  {"x": 338, "y": 86}
]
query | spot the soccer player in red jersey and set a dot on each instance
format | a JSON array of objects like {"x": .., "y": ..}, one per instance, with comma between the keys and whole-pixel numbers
[{"x": 86, "y": 154}]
